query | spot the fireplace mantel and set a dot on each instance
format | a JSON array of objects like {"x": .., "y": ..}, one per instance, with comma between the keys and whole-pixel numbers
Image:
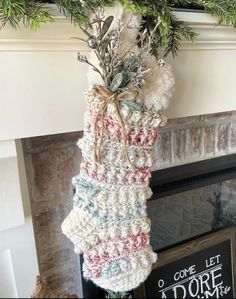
[
  {"x": 42, "y": 84},
  {"x": 57, "y": 36}
]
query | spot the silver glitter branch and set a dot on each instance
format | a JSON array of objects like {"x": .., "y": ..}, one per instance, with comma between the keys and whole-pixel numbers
[{"x": 119, "y": 72}]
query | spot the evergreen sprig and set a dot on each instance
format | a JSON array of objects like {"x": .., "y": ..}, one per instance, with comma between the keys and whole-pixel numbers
[
  {"x": 31, "y": 13},
  {"x": 78, "y": 11},
  {"x": 224, "y": 10}
]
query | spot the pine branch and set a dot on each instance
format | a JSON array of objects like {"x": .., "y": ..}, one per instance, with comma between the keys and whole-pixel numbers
[
  {"x": 31, "y": 13},
  {"x": 36, "y": 15},
  {"x": 171, "y": 30},
  {"x": 78, "y": 11},
  {"x": 179, "y": 30},
  {"x": 224, "y": 10}
]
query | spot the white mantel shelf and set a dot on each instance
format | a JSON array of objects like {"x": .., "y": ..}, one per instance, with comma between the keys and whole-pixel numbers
[
  {"x": 56, "y": 36},
  {"x": 42, "y": 84}
]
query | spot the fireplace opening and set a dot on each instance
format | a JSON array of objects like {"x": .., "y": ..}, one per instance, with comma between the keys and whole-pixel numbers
[{"x": 192, "y": 200}]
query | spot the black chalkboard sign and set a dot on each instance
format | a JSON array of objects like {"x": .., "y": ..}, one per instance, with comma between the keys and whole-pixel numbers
[{"x": 200, "y": 269}]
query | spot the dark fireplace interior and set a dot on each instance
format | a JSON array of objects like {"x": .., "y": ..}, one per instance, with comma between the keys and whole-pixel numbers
[{"x": 192, "y": 200}]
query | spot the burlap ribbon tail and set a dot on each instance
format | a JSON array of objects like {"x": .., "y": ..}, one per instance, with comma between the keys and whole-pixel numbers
[{"x": 114, "y": 99}]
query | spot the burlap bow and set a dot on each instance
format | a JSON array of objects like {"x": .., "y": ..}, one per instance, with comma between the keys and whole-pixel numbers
[{"x": 114, "y": 99}]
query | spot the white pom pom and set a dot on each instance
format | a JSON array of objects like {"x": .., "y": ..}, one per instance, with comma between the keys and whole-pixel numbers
[{"x": 159, "y": 85}]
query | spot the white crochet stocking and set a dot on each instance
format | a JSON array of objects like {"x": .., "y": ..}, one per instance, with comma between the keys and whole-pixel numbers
[{"x": 108, "y": 222}]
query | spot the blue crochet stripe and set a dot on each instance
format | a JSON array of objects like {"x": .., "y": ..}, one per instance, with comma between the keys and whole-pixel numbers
[
  {"x": 133, "y": 105},
  {"x": 83, "y": 184},
  {"x": 115, "y": 268},
  {"x": 106, "y": 220}
]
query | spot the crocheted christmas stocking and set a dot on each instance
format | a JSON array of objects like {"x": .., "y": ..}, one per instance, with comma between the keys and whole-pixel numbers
[{"x": 109, "y": 223}]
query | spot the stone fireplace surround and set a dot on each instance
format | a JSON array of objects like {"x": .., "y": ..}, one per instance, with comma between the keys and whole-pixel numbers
[{"x": 51, "y": 161}]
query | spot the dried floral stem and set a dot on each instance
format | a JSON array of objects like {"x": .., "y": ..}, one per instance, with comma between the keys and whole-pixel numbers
[
  {"x": 119, "y": 72},
  {"x": 96, "y": 69}
]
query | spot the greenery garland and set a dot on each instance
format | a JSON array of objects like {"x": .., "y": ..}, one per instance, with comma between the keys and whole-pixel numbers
[{"x": 171, "y": 31}]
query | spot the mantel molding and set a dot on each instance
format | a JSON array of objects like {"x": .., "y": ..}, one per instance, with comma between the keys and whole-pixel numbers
[
  {"x": 57, "y": 36},
  {"x": 51, "y": 37}
]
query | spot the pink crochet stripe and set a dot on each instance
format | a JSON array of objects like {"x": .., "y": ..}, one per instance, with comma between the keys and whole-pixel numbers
[
  {"x": 92, "y": 115},
  {"x": 140, "y": 175},
  {"x": 115, "y": 250},
  {"x": 141, "y": 136}
]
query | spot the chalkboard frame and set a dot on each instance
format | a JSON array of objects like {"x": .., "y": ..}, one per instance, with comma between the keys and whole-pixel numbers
[{"x": 192, "y": 247}]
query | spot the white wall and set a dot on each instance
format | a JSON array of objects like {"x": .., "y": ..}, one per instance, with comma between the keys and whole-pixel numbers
[
  {"x": 41, "y": 93},
  {"x": 19, "y": 242},
  {"x": 42, "y": 83},
  {"x": 7, "y": 282},
  {"x": 18, "y": 259},
  {"x": 11, "y": 207},
  {"x": 205, "y": 83}
]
